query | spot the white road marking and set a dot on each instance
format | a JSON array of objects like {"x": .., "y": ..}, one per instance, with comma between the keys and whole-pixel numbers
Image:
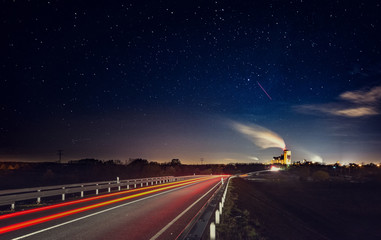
[
  {"x": 181, "y": 214},
  {"x": 96, "y": 213}
]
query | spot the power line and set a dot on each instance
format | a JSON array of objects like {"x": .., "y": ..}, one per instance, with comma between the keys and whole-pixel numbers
[{"x": 59, "y": 153}]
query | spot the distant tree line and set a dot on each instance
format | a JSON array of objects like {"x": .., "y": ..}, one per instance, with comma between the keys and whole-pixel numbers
[
  {"x": 24, "y": 174},
  {"x": 308, "y": 171}
]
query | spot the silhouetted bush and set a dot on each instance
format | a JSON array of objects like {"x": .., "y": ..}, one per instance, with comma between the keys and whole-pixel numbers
[{"x": 320, "y": 175}]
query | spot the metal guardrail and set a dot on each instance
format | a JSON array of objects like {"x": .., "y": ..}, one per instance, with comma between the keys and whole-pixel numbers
[
  {"x": 218, "y": 212},
  {"x": 10, "y": 197},
  {"x": 209, "y": 215}
]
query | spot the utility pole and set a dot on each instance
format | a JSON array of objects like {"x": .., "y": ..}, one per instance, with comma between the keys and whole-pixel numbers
[
  {"x": 202, "y": 160},
  {"x": 59, "y": 153}
]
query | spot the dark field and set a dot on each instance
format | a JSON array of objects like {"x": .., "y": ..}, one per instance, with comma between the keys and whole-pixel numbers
[{"x": 285, "y": 208}]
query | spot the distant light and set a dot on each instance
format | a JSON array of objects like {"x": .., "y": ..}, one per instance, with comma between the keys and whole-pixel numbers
[{"x": 274, "y": 169}]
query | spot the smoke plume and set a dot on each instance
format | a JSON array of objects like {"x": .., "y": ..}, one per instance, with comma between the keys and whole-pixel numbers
[{"x": 260, "y": 136}]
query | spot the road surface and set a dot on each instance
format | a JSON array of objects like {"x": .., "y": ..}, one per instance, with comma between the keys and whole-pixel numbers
[{"x": 153, "y": 212}]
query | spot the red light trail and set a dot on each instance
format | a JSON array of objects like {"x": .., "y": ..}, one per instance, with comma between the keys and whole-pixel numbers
[
  {"x": 86, "y": 200},
  {"x": 82, "y": 209}
]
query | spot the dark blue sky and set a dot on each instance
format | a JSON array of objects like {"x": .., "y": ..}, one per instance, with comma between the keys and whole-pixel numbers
[{"x": 172, "y": 79}]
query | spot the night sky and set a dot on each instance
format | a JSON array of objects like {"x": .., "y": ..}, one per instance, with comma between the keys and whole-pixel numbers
[{"x": 226, "y": 81}]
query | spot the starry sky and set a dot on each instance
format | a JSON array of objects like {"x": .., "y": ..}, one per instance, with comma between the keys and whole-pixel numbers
[{"x": 226, "y": 81}]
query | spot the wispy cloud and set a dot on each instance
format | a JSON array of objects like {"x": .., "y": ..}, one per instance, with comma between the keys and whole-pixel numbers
[
  {"x": 260, "y": 136},
  {"x": 338, "y": 110},
  {"x": 310, "y": 156},
  {"x": 363, "y": 97},
  {"x": 353, "y": 104},
  {"x": 357, "y": 112}
]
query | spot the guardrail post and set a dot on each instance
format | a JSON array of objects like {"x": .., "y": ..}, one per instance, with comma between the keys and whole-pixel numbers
[
  {"x": 118, "y": 182},
  {"x": 13, "y": 206},
  {"x": 141, "y": 184},
  {"x": 220, "y": 208},
  {"x": 97, "y": 190},
  {"x": 128, "y": 185},
  {"x": 217, "y": 216},
  {"x": 212, "y": 231},
  {"x": 63, "y": 194},
  {"x": 38, "y": 198},
  {"x": 222, "y": 180},
  {"x": 82, "y": 191},
  {"x": 134, "y": 183},
  {"x": 109, "y": 189}
]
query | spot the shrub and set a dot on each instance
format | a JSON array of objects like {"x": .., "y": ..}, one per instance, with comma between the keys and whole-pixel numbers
[{"x": 320, "y": 175}]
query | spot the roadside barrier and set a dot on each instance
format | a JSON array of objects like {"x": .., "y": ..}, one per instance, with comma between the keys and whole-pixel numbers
[
  {"x": 218, "y": 214},
  {"x": 203, "y": 226},
  {"x": 11, "y": 197}
]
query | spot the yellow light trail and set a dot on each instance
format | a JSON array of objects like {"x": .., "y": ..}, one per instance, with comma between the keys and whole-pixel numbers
[{"x": 82, "y": 209}]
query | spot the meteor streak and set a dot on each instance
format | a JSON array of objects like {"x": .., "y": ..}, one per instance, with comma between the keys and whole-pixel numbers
[{"x": 264, "y": 90}]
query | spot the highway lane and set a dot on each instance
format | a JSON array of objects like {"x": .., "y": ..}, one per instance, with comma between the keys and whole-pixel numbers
[
  {"x": 42, "y": 211},
  {"x": 158, "y": 212}
]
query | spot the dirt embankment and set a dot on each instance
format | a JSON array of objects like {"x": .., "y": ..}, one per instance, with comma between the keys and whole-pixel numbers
[{"x": 289, "y": 209}]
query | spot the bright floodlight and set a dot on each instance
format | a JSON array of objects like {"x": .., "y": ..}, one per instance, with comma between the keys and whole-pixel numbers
[{"x": 274, "y": 169}]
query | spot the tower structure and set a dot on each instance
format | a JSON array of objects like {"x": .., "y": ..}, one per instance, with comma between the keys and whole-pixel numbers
[{"x": 286, "y": 156}]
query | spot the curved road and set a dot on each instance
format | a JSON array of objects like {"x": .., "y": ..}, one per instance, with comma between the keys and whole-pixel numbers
[{"x": 154, "y": 212}]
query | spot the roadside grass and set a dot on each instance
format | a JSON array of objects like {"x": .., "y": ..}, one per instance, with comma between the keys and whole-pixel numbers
[
  {"x": 21, "y": 207},
  {"x": 236, "y": 222}
]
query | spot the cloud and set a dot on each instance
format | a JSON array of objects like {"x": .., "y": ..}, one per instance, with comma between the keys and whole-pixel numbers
[
  {"x": 352, "y": 104},
  {"x": 363, "y": 97},
  {"x": 356, "y": 112},
  {"x": 260, "y": 136},
  {"x": 316, "y": 158},
  {"x": 334, "y": 109},
  {"x": 309, "y": 156}
]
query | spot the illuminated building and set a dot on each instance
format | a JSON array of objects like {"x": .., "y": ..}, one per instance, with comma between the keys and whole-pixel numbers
[{"x": 285, "y": 158}]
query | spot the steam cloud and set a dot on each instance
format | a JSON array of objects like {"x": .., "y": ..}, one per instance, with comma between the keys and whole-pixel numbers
[
  {"x": 310, "y": 156},
  {"x": 260, "y": 136}
]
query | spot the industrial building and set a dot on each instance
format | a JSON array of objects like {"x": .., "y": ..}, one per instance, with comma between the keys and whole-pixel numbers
[{"x": 285, "y": 158}]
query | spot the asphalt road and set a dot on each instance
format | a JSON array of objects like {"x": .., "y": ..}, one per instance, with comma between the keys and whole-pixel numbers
[{"x": 154, "y": 212}]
